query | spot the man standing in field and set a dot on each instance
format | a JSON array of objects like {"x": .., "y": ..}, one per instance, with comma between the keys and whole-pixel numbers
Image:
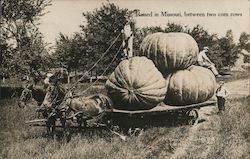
[
  {"x": 221, "y": 94},
  {"x": 204, "y": 61}
]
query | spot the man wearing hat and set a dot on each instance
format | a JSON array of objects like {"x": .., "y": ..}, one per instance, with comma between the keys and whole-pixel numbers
[
  {"x": 46, "y": 80},
  {"x": 127, "y": 34},
  {"x": 221, "y": 94},
  {"x": 204, "y": 61}
]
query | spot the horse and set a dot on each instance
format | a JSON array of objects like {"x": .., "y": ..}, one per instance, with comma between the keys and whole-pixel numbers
[
  {"x": 84, "y": 108},
  {"x": 91, "y": 105},
  {"x": 30, "y": 91},
  {"x": 54, "y": 96},
  {"x": 59, "y": 103}
]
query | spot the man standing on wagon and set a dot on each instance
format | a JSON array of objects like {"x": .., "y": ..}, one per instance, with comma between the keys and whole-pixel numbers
[{"x": 127, "y": 35}]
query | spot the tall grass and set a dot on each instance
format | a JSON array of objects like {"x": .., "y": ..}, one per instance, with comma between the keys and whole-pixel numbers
[
  {"x": 233, "y": 137},
  {"x": 230, "y": 133},
  {"x": 20, "y": 141}
]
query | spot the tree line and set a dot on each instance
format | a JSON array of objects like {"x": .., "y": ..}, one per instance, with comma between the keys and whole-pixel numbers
[{"x": 23, "y": 50}]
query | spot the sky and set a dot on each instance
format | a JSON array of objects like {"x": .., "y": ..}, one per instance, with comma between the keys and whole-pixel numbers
[{"x": 65, "y": 16}]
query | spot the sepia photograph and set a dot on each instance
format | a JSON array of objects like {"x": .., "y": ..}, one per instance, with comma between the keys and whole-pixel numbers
[{"x": 127, "y": 79}]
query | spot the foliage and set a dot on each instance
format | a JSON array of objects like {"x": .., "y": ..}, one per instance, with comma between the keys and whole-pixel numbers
[
  {"x": 102, "y": 28},
  {"x": 19, "y": 30},
  {"x": 202, "y": 37},
  {"x": 172, "y": 27},
  {"x": 71, "y": 52},
  {"x": 215, "y": 54},
  {"x": 244, "y": 40},
  {"x": 229, "y": 48},
  {"x": 244, "y": 43}
]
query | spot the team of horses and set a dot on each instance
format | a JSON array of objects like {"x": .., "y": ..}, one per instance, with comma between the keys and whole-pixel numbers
[{"x": 56, "y": 103}]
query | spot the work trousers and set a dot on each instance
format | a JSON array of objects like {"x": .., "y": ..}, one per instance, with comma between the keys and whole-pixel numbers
[{"x": 221, "y": 103}]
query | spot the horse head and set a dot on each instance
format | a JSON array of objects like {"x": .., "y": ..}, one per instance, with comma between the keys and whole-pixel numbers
[
  {"x": 54, "y": 96},
  {"x": 26, "y": 95}
]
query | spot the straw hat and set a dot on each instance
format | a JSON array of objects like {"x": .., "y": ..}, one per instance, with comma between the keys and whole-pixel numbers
[{"x": 49, "y": 74}]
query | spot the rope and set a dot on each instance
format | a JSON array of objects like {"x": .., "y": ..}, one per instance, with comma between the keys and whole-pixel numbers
[
  {"x": 66, "y": 95},
  {"x": 104, "y": 70},
  {"x": 95, "y": 63}
]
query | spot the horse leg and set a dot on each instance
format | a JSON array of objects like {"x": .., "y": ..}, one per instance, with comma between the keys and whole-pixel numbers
[
  {"x": 53, "y": 128},
  {"x": 48, "y": 122},
  {"x": 79, "y": 122},
  {"x": 65, "y": 126},
  {"x": 51, "y": 124},
  {"x": 66, "y": 123},
  {"x": 67, "y": 131},
  {"x": 48, "y": 126},
  {"x": 63, "y": 120},
  {"x": 82, "y": 123}
]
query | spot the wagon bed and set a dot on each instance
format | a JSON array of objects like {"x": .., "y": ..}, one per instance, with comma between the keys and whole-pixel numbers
[
  {"x": 162, "y": 113},
  {"x": 162, "y": 108}
]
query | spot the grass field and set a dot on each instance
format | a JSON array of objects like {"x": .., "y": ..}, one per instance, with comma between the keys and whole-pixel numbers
[
  {"x": 218, "y": 136},
  {"x": 231, "y": 138}
]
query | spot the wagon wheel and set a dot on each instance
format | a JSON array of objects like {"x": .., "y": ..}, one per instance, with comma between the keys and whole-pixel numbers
[{"x": 193, "y": 113}]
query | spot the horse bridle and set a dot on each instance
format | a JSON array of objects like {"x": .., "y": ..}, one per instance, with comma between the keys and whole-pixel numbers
[{"x": 27, "y": 92}]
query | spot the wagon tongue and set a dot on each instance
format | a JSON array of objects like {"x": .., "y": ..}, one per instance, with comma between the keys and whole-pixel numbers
[{"x": 123, "y": 137}]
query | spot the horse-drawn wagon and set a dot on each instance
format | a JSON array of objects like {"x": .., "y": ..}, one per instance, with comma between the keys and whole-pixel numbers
[
  {"x": 161, "y": 114},
  {"x": 137, "y": 88},
  {"x": 124, "y": 120}
]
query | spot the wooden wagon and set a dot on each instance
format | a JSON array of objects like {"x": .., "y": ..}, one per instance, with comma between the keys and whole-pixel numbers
[{"x": 124, "y": 120}]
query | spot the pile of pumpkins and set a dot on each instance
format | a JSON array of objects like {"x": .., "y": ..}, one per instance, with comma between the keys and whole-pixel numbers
[{"x": 163, "y": 71}]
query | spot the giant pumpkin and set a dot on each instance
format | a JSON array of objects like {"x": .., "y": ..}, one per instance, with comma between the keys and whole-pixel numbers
[
  {"x": 170, "y": 51},
  {"x": 193, "y": 85},
  {"x": 136, "y": 84}
]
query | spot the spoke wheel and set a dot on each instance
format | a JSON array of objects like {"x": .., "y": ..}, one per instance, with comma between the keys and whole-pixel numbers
[{"x": 193, "y": 114}]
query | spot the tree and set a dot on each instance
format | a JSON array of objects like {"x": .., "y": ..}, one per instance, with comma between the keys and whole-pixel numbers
[
  {"x": 215, "y": 54},
  {"x": 71, "y": 52},
  {"x": 19, "y": 29},
  {"x": 202, "y": 37},
  {"x": 4, "y": 55},
  {"x": 244, "y": 43},
  {"x": 230, "y": 50},
  {"x": 172, "y": 27},
  {"x": 244, "y": 40},
  {"x": 102, "y": 28}
]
